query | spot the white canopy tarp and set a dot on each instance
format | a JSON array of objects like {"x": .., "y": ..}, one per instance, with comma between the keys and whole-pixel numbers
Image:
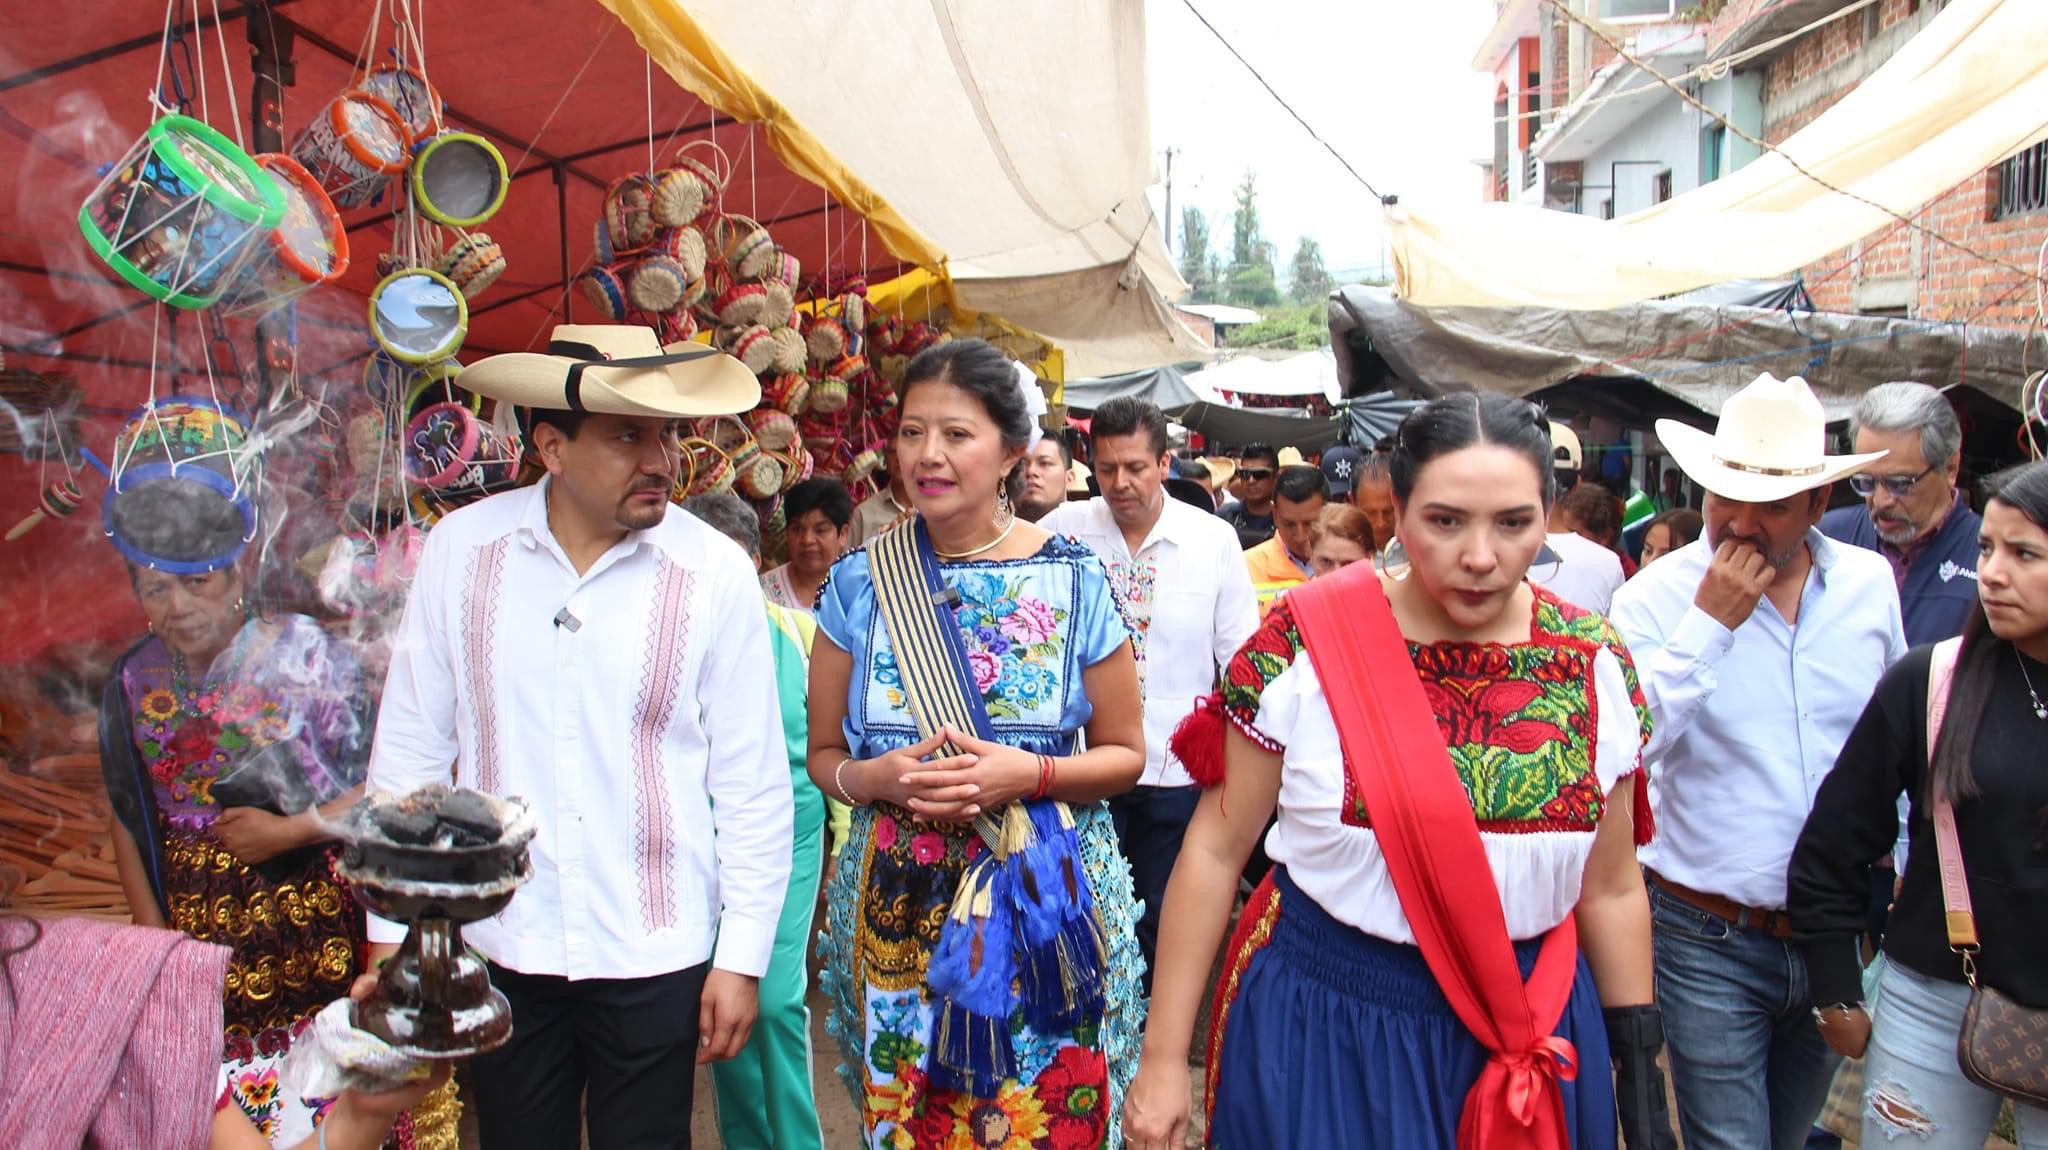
[
  {"x": 1310, "y": 373},
  {"x": 1964, "y": 93},
  {"x": 1012, "y": 146}
]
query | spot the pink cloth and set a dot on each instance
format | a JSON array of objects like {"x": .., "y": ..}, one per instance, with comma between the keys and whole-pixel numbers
[{"x": 110, "y": 1034}]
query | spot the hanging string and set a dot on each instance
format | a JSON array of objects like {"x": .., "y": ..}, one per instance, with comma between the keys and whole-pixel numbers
[
  {"x": 163, "y": 60},
  {"x": 220, "y": 37},
  {"x": 205, "y": 111},
  {"x": 753, "y": 182},
  {"x": 563, "y": 100},
  {"x": 647, "y": 61}
]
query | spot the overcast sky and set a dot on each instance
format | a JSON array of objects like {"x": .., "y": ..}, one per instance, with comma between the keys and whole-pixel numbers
[{"x": 1387, "y": 82}]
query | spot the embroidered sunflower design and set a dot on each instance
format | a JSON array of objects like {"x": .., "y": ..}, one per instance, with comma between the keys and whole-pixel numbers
[{"x": 159, "y": 705}]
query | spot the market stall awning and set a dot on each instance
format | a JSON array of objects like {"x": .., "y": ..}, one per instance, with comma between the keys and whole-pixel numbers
[
  {"x": 1013, "y": 149},
  {"x": 1166, "y": 387},
  {"x": 1309, "y": 373},
  {"x": 1225, "y": 426},
  {"x": 1962, "y": 94},
  {"x": 1697, "y": 353}
]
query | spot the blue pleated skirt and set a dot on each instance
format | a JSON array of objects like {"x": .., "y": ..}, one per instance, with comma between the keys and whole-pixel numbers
[{"x": 1334, "y": 1039}]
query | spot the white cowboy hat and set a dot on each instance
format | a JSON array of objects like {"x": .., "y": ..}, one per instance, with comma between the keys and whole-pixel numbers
[
  {"x": 617, "y": 369},
  {"x": 1771, "y": 443}
]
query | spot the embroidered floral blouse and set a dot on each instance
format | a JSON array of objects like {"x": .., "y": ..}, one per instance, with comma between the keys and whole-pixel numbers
[
  {"x": 1539, "y": 732},
  {"x": 1031, "y": 627}
]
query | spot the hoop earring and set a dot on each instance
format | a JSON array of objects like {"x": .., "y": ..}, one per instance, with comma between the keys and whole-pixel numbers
[{"x": 1384, "y": 566}]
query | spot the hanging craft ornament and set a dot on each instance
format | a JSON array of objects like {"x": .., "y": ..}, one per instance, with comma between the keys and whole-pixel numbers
[
  {"x": 789, "y": 350},
  {"x": 679, "y": 197},
  {"x": 417, "y": 316},
  {"x": 353, "y": 147},
  {"x": 658, "y": 285},
  {"x": 742, "y": 304},
  {"x": 788, "y": 393},
  {"x": 754, "y": 347},
  {"x": 709, "y": 162},
  {"x": 437, "y": 383},
  {"x": 449, "y": 449},
  {"x": 775, "y": 430},
  {"x": 780, "y": 305},
  {"x": 606, "y": 290},
  {"x": 307, "y": 248},
  {"x": 629, "y": 214},
  {"x": 58, "y": 501},
  {"x": 181, "y": 212},
  {"x": 473, "y": 264},
  {"x": 179, "y": 500},
  {"x": 406, "y": 90},
  {"x": 825, "y": 338},
  {"x": 458, "y": 179}
]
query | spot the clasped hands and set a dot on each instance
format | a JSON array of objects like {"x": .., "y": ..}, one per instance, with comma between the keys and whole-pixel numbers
[{"x": 952, "y": 790}]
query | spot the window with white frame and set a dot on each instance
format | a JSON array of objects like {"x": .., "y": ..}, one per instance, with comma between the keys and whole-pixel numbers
[{"x": 1639, "y": 9}]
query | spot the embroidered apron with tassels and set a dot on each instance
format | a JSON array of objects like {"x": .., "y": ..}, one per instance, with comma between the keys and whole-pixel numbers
[
  {"x": 1427, "y": 833},
  {"x": 2002, "y": 1046},
  {"x": 1023, "y": 935}
]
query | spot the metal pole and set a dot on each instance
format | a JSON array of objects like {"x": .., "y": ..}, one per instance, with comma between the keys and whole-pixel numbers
[
  {"x": 1168, "y": 225},
  {"x": 270, "y": 67},
  {"x": 562, "y": 227}
]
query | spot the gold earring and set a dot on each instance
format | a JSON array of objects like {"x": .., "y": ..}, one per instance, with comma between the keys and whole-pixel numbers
[{"x": 1003, "y": 512}]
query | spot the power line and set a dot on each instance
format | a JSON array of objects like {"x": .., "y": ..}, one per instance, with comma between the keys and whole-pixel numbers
[
  {"x": 1280, "y": 100},
  {"x": 1764, "y": 145}
]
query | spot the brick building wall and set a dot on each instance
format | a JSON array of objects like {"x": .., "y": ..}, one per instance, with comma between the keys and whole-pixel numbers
[{"x": 1898, "y": 267}]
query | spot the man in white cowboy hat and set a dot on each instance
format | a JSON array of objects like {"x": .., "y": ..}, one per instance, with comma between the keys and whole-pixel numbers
[
  {"x": 1758, "y": 646},
  {"x": 577, "y": 644}
]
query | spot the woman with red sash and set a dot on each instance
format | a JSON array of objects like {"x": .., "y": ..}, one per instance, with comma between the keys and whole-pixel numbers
[{"x": 1380, "y": 991}]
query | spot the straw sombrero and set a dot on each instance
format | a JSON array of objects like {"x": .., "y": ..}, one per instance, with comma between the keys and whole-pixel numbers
[
  {"x": 1770, "y": 444},
  {"x": 617, "y": 369}
]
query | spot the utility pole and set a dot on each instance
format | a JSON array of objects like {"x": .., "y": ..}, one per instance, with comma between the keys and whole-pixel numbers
[{"x": 1169, "y": 201}]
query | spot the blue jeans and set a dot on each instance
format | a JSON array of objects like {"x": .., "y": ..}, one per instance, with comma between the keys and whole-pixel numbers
[
  {"x": 1914, "y": 1093},
  {"x": 1150, "y": 823},
  {"x": 1747, "y": 1062}
]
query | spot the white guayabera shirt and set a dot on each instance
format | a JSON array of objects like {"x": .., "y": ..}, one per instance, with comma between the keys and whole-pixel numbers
[{"x": 633, "y": 707}]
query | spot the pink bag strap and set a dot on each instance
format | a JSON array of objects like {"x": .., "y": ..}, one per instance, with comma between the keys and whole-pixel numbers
[{"x": 1955, "y": 884}]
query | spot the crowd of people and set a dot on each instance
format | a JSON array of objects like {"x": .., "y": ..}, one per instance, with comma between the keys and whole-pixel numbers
[{"x": 1510, "y": 819}]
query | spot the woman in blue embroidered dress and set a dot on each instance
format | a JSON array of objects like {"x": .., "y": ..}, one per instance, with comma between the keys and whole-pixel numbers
[{"x": 1050, "y": 658}]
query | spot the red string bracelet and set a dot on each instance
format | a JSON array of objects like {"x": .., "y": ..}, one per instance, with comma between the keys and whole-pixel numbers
[{"x": 1045, "y": 773}]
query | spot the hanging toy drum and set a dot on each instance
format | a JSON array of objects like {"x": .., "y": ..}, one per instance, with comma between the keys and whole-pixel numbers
[
  {"x": 458, "y": 179},
  {"x": 177, "y": 501},
  {"x": 59, "y": 500},
  {"x": 179, "y": 214},
  {"x": 417, "y": 316},
  {"x": 406, "y": 90},
  {"x": 306, "y": 249},
  {"x": 448, "y": 449},
  {"x": 436, "y": 383},
  {"x": 353, "y": 147}
]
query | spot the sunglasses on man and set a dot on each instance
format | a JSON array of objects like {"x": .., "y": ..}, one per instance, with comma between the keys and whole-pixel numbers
[
  {"x": 1255, "y": 474},
  {"x": 1896, "y": 486}
]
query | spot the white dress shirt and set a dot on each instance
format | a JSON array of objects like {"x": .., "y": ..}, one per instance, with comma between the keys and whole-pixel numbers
[
  {"x": 1748, "y": 722},
  {"x": 1586, "y": 575},
  {"x": 633, "y": 708},
  {"x": 1190, "y": 604}
]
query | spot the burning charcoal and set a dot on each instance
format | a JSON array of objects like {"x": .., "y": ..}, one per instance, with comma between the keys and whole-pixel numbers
[
  {"x": 471, "y": 813},
  {"x": 410, "y": 827}
]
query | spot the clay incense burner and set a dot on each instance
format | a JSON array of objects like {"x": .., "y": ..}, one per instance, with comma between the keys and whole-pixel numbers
[{"x": 436, "y": 859}]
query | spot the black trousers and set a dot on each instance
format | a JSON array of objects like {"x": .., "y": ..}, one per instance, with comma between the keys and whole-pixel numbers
[
  {"x": 1150, "y": 824},
  {"x": 630, "y": 1044}
]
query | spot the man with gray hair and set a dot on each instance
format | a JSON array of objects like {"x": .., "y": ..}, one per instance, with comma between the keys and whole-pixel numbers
[
  {"x": 764, "y": 1093},
  {"x": 1913, "y": 515}
]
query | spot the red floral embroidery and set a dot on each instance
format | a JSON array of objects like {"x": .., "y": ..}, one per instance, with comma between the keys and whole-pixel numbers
[
  {"x": 1075, "y": 1093},
  {"x": 1484, "y": 712}
]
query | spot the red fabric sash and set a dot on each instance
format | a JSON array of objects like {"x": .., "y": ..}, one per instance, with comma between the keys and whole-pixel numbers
[{"x": 1430, "y": 839}]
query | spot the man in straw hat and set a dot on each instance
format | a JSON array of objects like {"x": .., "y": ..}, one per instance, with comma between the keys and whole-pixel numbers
[
  {"x": 576, "y": 644},
  {"x": 1758, "y": 647}
]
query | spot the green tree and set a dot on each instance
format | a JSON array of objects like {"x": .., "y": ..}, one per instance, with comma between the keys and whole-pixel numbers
[
  {"x": 1197, "y": 263},
  {"x": 1312, "y": 280},
  {"x": 1248, "y": 249}
]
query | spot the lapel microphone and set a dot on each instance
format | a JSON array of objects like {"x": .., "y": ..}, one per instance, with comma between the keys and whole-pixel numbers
[{"x": 564, "y": 619}]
